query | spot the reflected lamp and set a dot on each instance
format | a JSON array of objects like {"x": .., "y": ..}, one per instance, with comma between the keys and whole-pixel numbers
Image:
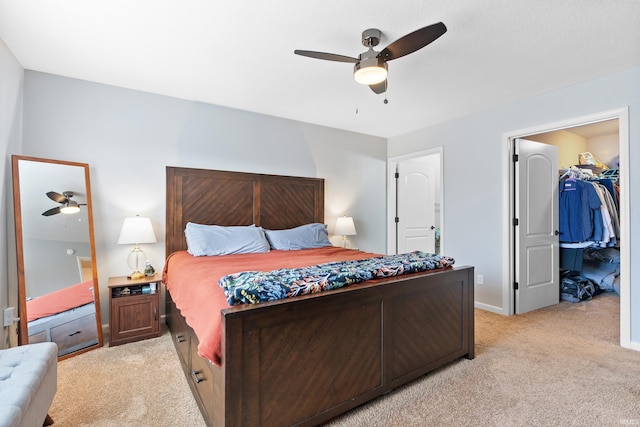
[
  {"x": 345, "y": 227},
  {"x": 136, "y": 231}
]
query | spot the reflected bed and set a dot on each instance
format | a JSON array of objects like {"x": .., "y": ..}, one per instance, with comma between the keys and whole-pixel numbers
[{"x": 66, "y": 317}]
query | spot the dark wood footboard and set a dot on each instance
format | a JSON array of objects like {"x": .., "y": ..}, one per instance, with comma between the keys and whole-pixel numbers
[{"x": 305, "y": 360}]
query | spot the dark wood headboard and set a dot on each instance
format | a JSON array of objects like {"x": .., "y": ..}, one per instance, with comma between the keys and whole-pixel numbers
[{"x": 237, "y": 198}]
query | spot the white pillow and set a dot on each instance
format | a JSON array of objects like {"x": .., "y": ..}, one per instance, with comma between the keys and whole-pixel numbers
[
  {"x": 205, "y": 240},
  {"x": 303, "y": 237}
]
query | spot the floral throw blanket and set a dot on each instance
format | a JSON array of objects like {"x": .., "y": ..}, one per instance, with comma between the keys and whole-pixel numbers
[{"x": 252, "y": 287}]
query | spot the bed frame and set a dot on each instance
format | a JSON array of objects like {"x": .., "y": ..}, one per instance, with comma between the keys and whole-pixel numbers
[
  {"x": 305, "y": 360},
  {"x": 71, "y": 330}
]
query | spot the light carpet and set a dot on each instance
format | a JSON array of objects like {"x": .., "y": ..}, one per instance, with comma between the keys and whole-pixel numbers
[
  {"x": 131, "y": 385},
  {"x": 559, "y": 366}
]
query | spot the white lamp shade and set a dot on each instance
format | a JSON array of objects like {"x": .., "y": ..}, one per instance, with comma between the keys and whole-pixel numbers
[
  {"x": 345, "y": 226},
  {"x": 136, "y": 230}
]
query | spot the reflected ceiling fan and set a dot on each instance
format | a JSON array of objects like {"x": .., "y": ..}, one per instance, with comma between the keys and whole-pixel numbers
[
  {"x": 67, "y": 206},
  {"x": 371, "y": 66}
]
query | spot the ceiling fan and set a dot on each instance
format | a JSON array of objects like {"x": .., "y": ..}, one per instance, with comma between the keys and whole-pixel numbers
[
  {"x": 67, "y": 206},
  {"x": 371, "y": 66}
]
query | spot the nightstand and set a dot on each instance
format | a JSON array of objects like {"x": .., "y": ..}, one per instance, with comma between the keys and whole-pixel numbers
[{"x": 134, "y": 309}]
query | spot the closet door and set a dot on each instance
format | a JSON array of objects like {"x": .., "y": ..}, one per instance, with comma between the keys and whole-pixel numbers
[{"x": 536, "y": 235}]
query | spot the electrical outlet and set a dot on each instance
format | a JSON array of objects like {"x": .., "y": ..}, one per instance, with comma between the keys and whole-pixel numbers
[
  {"x": 8, "y": 316},
  {"x": 480, "y": 279}
]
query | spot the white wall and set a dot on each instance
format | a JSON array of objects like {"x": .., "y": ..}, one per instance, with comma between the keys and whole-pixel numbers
[
  {"x": 49, "y": 268},
  {"x": 129, "y": 137},
  {"x": 473, "y": 173},
  {"x": 603, "y": 148},
  {"x": 11, "y": 75}
]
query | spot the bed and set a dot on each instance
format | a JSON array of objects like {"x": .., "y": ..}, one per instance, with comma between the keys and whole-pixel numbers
[
  {"x": 305, "y": 360},
  {"x": 66, "y": 317}
]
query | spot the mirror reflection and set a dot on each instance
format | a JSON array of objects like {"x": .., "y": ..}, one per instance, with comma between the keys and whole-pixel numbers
[{"x": 57, "y": 279}]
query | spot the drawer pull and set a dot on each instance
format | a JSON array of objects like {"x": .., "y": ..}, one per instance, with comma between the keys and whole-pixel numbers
[
  {"x": 73, "y": 333},
  {"x": 180, "y": 338},
  {"x": 155, "y": 314},
  {"x": 196, "y": 378}
]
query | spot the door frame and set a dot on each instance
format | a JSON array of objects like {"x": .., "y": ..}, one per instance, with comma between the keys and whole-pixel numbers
[
  {"x": 622, "y": 115},
  {"x": 392, "y": 162}
]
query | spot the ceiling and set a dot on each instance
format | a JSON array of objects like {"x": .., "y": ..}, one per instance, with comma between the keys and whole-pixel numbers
[{"x": 239, "y": 54}]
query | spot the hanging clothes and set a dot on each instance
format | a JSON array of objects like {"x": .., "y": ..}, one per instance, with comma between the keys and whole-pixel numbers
[
  {"x": 588, "y": 211},
  {"x": 590, "y": 226},
  {"x": 577, "y": 203},
  {"x": 610, "y": 215}
]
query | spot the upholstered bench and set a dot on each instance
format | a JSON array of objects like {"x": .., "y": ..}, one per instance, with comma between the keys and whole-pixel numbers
[{"x": 28, "y": 382}]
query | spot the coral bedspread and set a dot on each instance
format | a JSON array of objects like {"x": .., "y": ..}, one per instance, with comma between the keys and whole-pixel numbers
[
  {"x": 61, "y": 300},
  {"x": 193, "y": 284}
]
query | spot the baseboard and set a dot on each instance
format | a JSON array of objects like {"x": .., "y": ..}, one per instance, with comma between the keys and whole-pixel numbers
[
  {"x": 632, "y": 345},
  {"x": 491, "y": 308}
]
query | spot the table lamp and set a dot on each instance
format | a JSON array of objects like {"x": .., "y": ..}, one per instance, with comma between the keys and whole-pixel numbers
[
  {"x": 344, "y": 228},
  {"x": 135, "y": 231}
]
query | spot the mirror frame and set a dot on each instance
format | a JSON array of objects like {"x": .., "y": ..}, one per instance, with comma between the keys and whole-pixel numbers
[{"x": 23, "y": 334}]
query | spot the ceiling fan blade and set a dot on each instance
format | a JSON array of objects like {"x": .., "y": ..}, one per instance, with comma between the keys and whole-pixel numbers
[
  {"x": 56, "y": 197},
  {"x": 379, "y": 87},
  {"x": 412, "y": 41},
  {"x": 51, "y": 211},
  {"x": 326, "y": 56}
]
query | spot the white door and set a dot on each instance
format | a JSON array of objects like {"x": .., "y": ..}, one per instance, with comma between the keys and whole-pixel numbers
[
  {"x": 536, "y": 236},
  {"x": 416, "y": 206}
]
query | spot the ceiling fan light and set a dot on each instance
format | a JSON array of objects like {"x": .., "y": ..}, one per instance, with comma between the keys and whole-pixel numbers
[
  {"x": 70, "y": 208},
  {"x": 370, "y": 75},
  {"x": 370, "y": 71}
]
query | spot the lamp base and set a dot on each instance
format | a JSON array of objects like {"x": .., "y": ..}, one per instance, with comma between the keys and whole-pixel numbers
[{"x": 136, "y": 275}]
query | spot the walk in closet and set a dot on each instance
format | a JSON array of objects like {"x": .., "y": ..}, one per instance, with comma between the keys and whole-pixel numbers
[{"x": 589, "y": 201}]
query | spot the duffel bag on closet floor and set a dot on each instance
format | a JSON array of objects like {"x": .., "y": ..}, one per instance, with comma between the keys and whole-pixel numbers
[{"x": 575, "y": 288}]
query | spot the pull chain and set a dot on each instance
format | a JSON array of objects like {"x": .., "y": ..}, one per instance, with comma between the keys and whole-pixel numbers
[{"x": 386, "y": 86}]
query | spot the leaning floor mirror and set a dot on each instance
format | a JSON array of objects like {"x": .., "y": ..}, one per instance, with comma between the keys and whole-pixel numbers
[{"x": 57, "y": 276}]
